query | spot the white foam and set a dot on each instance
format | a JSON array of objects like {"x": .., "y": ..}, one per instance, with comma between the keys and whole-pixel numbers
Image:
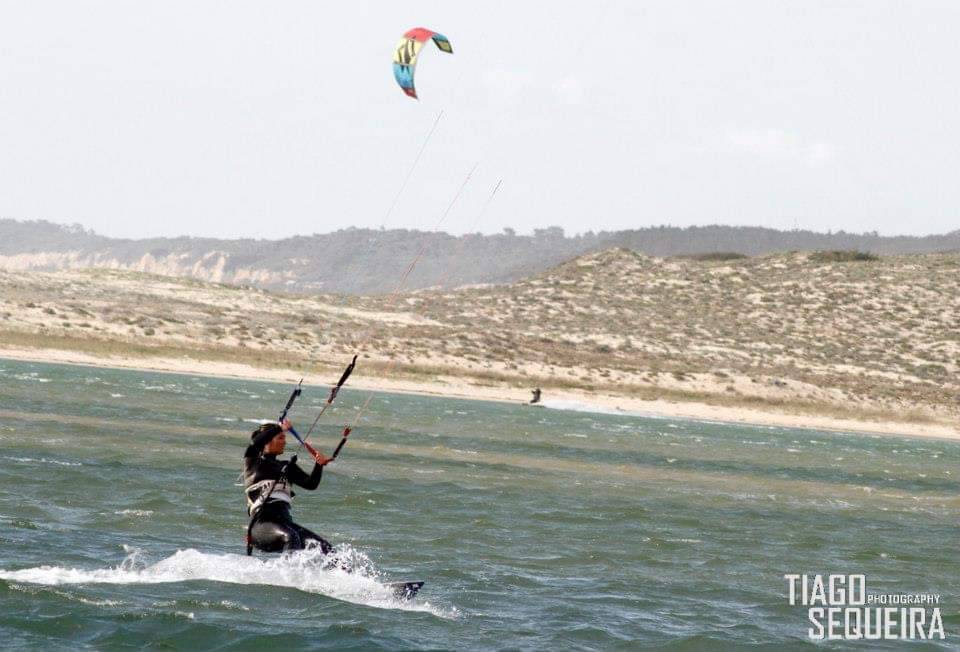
[
  {"x": 134, "y": 512},
  {"x": 308, "y": 571},
  {"x": 42, "y": 460},
  {"x": 32, "y": 376},
  {"x": 100, "y": 603}
]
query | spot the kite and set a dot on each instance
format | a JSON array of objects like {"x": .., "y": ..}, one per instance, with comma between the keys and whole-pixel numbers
[{"x": 405, "y": 57}]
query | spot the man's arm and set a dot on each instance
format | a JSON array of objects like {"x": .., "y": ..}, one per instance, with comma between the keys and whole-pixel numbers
[{"x": 298, "y": 476}]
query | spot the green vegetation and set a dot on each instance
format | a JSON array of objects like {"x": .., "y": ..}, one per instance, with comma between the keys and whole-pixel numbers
[
  {"x": 840, "y": 256},
  {"x": 715, "y": 256}
]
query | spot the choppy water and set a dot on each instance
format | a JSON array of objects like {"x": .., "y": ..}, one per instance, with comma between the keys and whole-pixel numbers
[{"x": 120, "y": 525}]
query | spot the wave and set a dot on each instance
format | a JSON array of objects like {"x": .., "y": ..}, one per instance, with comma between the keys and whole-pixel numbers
[
  {"x": 309, "y": 570},
  {"x": 41, "y": 460},
  {"x": 578, "y": 406},
  {"x": 32, "y": 377}
]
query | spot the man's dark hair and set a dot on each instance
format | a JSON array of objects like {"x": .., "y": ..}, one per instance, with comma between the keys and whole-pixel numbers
[{"x": 267, "y": 427}]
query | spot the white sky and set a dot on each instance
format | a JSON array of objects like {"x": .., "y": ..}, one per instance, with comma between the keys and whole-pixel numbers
[{"x": 269, "y": 119}]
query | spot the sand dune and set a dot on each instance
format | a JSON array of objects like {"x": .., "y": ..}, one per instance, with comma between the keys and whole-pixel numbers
[{"x": 818, "y": 340}]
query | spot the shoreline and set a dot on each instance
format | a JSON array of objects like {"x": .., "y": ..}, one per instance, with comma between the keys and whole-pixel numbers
[{"x": 451, "y": 387}]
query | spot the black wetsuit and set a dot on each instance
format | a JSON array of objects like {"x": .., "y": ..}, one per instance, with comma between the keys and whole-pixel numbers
[{"x": 273, "y": 528}]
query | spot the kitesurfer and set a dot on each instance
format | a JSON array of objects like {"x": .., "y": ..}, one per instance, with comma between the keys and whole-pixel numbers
[
  {"x": 268, "y": 484},
  {"x": 536, "y": 395}
]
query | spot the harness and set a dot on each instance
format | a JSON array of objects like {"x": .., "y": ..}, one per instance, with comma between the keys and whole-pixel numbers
[{"x": 259, "y": 493}]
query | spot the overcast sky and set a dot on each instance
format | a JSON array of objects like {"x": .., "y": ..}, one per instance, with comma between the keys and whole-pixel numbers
[{"x": 269, "y": 119}]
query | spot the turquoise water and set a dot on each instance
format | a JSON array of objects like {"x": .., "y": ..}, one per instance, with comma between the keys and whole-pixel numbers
[{"x": 120, "y": 525}]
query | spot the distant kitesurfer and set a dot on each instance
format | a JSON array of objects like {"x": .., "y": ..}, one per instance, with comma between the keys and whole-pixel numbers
[
  {"x": 536, "y": 395},
  {"x": 269, "y": 493}
]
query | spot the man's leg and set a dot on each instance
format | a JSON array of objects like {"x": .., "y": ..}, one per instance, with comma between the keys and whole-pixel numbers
[
  {"x": 270, "y": 536},
  {"x": 306, "y": 535}
]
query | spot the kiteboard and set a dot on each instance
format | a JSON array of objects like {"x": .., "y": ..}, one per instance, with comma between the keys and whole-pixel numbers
[{"x": 405, "y": 590}]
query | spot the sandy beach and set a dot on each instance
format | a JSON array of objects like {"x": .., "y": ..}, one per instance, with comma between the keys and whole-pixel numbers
[
  {"x": 781, "y": 341},
  {"x": 458, "y": 388}
]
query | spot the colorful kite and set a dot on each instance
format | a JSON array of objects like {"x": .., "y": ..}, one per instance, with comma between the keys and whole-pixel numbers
[{"x": 405, "y": 58}]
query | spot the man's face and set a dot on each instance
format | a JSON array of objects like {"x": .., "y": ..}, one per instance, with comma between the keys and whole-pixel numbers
[{"x": 276, "y": 445}]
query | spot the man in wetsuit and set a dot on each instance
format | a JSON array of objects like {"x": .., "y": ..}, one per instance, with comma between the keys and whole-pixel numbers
[{"x": 269, "y": 495}]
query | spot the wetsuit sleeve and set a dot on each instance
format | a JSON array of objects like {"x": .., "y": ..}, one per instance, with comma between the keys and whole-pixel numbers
[
  {"x": 297, "y": 476},
  {"x": 256, "y": 446}
]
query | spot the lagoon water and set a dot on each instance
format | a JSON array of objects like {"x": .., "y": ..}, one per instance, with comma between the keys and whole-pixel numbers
[{"x": 121, "y": 525}]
